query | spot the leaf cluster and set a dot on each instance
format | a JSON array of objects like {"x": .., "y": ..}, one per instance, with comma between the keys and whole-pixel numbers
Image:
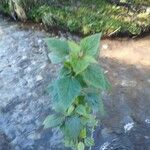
[{"x": 76, "y": 93}]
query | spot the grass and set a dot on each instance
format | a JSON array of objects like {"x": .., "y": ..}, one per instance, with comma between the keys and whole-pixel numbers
[{"x": 87, "y": 17}]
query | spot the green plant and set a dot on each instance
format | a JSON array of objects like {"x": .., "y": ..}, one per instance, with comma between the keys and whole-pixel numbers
[
  {"x": 84, "y": 16},
  {"x": 76, "y": 94}
]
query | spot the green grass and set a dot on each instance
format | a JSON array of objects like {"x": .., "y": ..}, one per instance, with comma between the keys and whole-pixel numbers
[
  {"x": 87, "y": 17},
  {"x": 143, "y": 2},
  {"x": 4, "y": 8}
]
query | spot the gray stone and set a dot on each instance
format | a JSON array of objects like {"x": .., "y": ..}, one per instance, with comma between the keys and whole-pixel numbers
[{"x": 25, "y": 74}]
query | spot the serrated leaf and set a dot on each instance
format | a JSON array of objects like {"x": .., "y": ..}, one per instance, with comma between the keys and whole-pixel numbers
[
  {"x": 81, "y": 146},
  {"x": 90, "y": 44},
  {"x": 95, "y": 101},
  {"x": 57, "y": 46},
  {"x": 79, "y": 64},
  {"x": 95, "y": 77},
  {"x": 59, "y": 49},
  {"x": 56, "y": 104},
  {"x": 52, "y": 121},
  {"x": 74, "y": 47},
  {"x": 65, "y": 72},
  {"x": 54, "y": 58},
  {"x": 72, "y": 127},
  {"x": 81, "y": 110},
  {"x": 80, "y": 79},
  {"x": 89, "y": 141},
  {"x": 68, "y": 89}
]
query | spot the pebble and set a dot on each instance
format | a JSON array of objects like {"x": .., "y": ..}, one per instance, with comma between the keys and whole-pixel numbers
[
  {"x": 128, "y": 127},
  {"x": 104, "y": 146}
]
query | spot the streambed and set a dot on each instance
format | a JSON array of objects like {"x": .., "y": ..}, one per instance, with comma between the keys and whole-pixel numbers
[{"x": 25, "y": 72}]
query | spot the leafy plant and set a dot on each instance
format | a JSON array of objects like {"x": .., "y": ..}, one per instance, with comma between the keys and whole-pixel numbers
[{"x": 77, "y": 91}]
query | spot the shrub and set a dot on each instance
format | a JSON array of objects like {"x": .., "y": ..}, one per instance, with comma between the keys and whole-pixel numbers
[{"x": 76, "y": 93}]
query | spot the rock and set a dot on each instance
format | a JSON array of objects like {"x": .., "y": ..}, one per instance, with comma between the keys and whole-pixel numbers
[
  {"x": 4, "y": 142},
  {"x": 128, "y": 126},
  {"x": 25, "y": 74}
]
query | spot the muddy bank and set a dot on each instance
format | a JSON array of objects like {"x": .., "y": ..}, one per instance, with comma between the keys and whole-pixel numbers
[
  {"x": 25, "y": 72},
  {"x": 127, "y": 123}
]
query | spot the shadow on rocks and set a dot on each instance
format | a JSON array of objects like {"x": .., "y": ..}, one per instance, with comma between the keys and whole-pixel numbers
[{"x": 4, "y": 142}]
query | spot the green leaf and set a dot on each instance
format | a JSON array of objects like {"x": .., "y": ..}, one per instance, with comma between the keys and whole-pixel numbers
[
  {"x": 95, "y": 77},
  {"x": 80, "y": 79},
  {"x": 65, "y": 71},
  {"x": 91, "y": 121},
  {"x": 72, "y": 127},
  {"x": 68, "y": 89},
  {"x": 70, "y": 110},
  {"x": 57, "y": 46},
  {"x": 74, "y": 47},
  {"x": 83, "y": 133},
  {"x": 81, "y": 110},
  {"x": 52, "y": 121},
  {"x": 90, "y": 44},
  {"x": 59, "y": 49},
  {"x": 81, "y": 146},
  {"x": 95, "y": 101},
  {"x": 56, "y": 105},
  {"x": 89, "y": 141},
  {"x": 79, "y": 64},
  {"x": 55, "y": 59},
  {"x": 70, "y": 143}
]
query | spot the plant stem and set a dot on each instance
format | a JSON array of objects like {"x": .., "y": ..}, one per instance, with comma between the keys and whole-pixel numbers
[{"x": 92, "y": 131}]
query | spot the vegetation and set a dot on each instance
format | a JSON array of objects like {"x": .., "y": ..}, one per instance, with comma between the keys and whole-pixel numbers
[
  {"x": 76, "y": 94},
  {"x": 84, "y": 16}
]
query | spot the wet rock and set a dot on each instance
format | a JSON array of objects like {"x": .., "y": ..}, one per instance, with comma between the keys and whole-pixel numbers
[
  {"x": 4, "y": 142},
  {"x": 24, "y": 104}
]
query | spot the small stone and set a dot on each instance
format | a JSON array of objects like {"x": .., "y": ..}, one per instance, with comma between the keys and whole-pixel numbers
[
  {"x": 105, "y": 146},
  {"x": 28, "y": 69},
  {"x": 39, "y": 41},
  {"x": 24, "y": 57},
  {"x": 147, "y": 137},
  {"x": 128, "y": 127},
  {"x": 43, "y": 66},
  {"x": 39, "y": 78},
  {"x": 147, "y": 121},
  {"x": 34, "y": 136},
  {"x": 105, "y": 46}
]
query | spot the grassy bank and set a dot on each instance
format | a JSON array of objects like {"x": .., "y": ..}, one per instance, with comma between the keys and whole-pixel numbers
[{"x": 86, "y": 16}]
